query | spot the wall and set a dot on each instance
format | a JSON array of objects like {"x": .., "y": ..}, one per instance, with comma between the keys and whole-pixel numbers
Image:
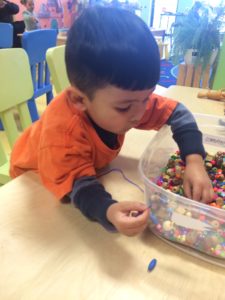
[
  {"x": 145, "y": 14},
  {"x": 164, "y": 6},
  {"x": 184, "y": 5},
  {"x": 62, "y": 12}
]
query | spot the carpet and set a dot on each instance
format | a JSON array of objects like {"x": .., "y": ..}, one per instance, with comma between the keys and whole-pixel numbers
[{"x": 168, "y": 73}]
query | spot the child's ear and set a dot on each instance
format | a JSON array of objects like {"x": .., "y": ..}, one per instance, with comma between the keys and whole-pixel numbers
[{"x": 77, "y": 98}]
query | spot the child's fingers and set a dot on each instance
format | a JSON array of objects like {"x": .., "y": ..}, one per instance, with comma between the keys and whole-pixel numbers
[
  {"x": 132, "y": 222},
  {"x": 134, "y": 231},
  {"x": 129, "y": 206},
  {"x": 187, "y": 190},
  {"x": 207, "y": 195},
  {"x": 197, "y": 193},
  {"x": 131, "y": 231}
]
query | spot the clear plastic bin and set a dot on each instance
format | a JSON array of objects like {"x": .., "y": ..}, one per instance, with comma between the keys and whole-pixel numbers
[{"x": 191, "y": 226}]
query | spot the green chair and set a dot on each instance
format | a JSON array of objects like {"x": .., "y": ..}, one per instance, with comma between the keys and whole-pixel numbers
[
  {"x": 219, "y": 78},
  {"x": 16, "y": 88},
  {"x": 56, "y": 63}
]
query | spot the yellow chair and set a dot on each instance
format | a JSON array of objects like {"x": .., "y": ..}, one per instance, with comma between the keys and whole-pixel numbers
[
  {"x": 56, "y": 62},
  {"x": 163, "y": 49},
  {"x": 16, "y": 88}
]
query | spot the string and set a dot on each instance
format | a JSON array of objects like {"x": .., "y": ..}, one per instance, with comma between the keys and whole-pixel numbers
[{"x": 123, "y": 175}]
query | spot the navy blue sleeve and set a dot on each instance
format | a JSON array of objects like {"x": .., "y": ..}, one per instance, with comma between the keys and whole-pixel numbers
[
  {"x": 186, "y": 132},
  {"x": 91, "y": 198},
  {"x": 12, "y": 8}
]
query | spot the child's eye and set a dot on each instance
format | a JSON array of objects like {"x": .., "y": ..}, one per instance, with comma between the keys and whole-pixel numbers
[{"x": 124, "y": 109}]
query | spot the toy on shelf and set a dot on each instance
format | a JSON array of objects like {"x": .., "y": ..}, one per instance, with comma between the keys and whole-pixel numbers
[{"x": 212, "y": 94}]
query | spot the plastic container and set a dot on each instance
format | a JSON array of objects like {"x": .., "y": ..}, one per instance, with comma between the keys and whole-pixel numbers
[{"x": 191, "y": 226}]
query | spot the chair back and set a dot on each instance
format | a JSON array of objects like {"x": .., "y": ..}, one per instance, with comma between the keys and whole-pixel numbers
[
  {"x": 4, "y": 166},
  {"x": 189, "y": 75},
  {"x": 36, "y": 43},
  {"x": 16, "y": 89},
  {"x": 219, "y": 77},
  {"x": 56, "y": 63},
  {"x": 6, "y": 35}
]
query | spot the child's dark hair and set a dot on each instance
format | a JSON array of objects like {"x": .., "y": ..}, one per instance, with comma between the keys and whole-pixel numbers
[{"x": 108, "y": 45}]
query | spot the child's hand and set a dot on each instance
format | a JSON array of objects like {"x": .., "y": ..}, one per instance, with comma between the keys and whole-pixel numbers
[
  {"x": 197, "y": 185},
  {"x": 129, "y": 218}
]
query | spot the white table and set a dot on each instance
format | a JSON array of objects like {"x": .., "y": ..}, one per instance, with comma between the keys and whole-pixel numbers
[
  {"x": 50, "y": 251},
  {"x": 188, "y": 96}
]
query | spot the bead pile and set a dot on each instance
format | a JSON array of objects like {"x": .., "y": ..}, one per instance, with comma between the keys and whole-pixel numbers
[
  {"x": 203, "y": 227},
  {"x": 172, "y": 176}
]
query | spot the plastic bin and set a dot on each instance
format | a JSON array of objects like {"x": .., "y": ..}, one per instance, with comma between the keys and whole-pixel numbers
[{"x": 191, "y": 226}]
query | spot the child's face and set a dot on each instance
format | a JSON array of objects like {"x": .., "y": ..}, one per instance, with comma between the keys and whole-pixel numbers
[
  {"x": 117, "y": 110},
  {"x": 30, "y": 5}
]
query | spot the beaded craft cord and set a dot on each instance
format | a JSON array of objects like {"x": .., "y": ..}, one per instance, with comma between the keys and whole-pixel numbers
[{"x": 124, "y": 177}]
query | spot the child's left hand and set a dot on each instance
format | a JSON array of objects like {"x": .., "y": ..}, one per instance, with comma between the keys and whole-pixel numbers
[{"x": 197, "y": 185}]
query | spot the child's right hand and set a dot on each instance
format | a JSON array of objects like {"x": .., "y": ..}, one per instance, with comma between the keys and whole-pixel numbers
[{"x": 129, "y": 218}]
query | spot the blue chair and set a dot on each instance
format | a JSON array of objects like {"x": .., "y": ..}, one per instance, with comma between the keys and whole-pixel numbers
[
  {"x": 6, "y": 41},
  {"x": 6, "y": 35},
  {"x": 36, "y": 43}
]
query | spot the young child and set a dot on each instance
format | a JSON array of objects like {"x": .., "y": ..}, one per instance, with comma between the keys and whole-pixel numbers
[
  {"x": 30, "y": 19},
  {"x": 113, "y": 65}
]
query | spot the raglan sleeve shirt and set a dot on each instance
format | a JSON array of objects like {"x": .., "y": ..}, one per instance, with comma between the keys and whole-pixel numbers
[
  {"x": 161, "y": 111},
  {"x": 64, "y": 162},
  {"x": 66, "y": 157},
  {"x": 90, "y": 196}
]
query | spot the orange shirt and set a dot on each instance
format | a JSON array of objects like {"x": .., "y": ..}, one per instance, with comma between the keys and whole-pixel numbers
[{"x": 63, "y": 145}]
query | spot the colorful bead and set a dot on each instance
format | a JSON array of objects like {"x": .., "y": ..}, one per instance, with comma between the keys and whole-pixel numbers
[
  {"x": 152, "y": 264},
  {"x": 166, "y": 210},
  {"x": 167, "y": 225},
  {"x": 172, "y": 176}
]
